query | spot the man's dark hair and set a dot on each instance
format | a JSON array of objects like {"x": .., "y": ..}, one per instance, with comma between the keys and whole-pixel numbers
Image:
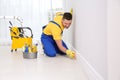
[{"x": 67, "y": 16}]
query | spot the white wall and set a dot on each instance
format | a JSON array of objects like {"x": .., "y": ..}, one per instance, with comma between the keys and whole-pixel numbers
[
  {"x": 96, "y": 34},
  {"x": 90, "y": 32},
  {"x": 113, "y": 42}
]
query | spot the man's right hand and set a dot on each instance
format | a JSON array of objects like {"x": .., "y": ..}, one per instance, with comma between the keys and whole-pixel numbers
[{"x": 71, "y": 54}]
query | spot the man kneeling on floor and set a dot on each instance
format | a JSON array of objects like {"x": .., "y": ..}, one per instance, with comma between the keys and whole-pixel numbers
[{"x": 51, "y": 37}]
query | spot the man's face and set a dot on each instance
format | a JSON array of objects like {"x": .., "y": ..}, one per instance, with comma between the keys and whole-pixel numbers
[{"x": 66, "y": 23}]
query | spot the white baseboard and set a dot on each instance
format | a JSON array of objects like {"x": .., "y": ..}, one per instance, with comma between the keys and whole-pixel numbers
[{"x": 88, "y": 69}]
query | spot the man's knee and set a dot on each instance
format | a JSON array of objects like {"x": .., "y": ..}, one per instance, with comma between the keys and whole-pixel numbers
[{"x": 51, "y": 54}]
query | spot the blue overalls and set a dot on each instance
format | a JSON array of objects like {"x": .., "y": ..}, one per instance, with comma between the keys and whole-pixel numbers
[{"x": 49, "y": 45}]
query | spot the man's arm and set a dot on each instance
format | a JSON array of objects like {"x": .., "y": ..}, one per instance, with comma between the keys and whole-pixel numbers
[
  {"x": 70, "y": 53},
  {"x": 60, "y": 46}
]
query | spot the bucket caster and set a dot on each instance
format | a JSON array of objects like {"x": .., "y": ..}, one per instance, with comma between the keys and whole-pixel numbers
[
  {"x": 15, "y": 50},
  {"x": 11, "y": 50}
]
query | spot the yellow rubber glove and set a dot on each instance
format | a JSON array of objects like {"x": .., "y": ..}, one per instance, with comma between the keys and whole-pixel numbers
[
  {"x": 71, "y": 10},
  {"x": 34, "y": 48},
  {"x": 70, "y": 54}
]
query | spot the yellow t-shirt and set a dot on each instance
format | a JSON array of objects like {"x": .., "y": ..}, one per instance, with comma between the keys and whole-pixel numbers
[{"x": 53, "y": 29}]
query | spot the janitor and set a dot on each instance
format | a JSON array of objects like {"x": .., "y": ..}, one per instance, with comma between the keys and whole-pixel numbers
[{"x": 51, "y": 37}]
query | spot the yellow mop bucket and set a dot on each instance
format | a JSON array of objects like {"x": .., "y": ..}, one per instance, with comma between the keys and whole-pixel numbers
[{"x": 19, "y": 38}]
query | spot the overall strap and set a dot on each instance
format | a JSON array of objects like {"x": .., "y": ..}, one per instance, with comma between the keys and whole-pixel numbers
[{"x": 57, "y": 25}]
